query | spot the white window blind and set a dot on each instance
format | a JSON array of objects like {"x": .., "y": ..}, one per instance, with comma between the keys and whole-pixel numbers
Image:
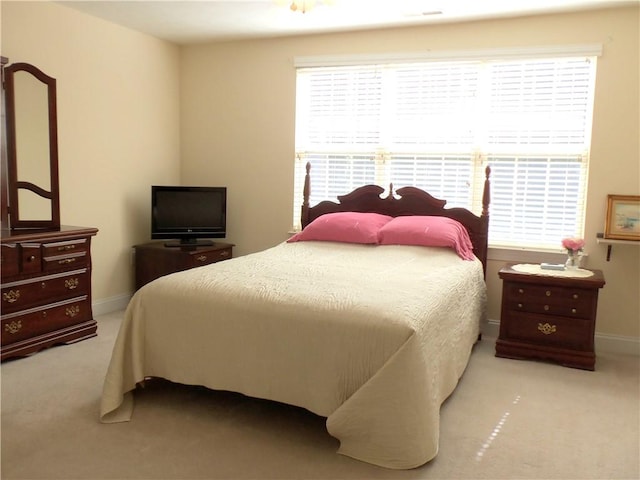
[{"x": 436, "y": 124}]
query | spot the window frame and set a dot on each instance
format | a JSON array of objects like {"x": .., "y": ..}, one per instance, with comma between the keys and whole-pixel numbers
[{"x": 481, "y": 156}]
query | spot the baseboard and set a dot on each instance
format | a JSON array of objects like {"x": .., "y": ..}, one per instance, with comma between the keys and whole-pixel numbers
[
  {"x": 108, "y": 305},
  {"x": 617, "y": 344},
  {"x": 604, "y": 342},
  {"x": 491, "y": 328}
]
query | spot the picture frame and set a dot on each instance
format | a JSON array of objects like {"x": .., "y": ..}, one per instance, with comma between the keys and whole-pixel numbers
[{"x": 623, "y": 217}]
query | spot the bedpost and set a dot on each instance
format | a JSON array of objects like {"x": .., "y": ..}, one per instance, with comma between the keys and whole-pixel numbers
[
  {"x": 304, "y": 217},
  {"x": 484, "y": 220},
  {"x": 486, "y": 194}
]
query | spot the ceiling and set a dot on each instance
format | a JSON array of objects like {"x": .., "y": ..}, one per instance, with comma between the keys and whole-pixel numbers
[{"x": 187, "y": 22}]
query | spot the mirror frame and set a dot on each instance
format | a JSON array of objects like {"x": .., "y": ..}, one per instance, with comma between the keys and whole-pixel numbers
[{"x": 14, "y": 184}]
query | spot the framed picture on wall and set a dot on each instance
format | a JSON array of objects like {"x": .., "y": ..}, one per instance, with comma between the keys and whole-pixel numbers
[{"x": 623, "y": 217}]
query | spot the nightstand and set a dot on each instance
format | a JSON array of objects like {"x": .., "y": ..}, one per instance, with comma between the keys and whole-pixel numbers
[{"x": 548, "y": 316}]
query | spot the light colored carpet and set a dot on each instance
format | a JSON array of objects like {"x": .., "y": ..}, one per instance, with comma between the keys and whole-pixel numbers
[{"x": 507, "y": 419}]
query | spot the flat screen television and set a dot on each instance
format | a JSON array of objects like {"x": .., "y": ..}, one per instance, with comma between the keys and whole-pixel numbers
[{"x": 187, "y": 215}]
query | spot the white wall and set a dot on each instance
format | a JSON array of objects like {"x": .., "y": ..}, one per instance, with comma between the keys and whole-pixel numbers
[
  {"x": 118, "y": 124},
  {"x": 238, "y": 117}
]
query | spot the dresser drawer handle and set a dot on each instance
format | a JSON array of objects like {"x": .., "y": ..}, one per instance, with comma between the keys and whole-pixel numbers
[
  {"x": 11, "y": 296},
  {"x": 66, "y": 260},
  {"x": 520, "y": 290},
  {"x": 66, "y": 248},
  {"x": 31, "y": 258},
  {"x": 224, "y": 253},
  {"x": 519, "y": 305},
  {"x": 13, "y": 327},
  {"x": 548, "y": 293},
  {"x": 202, "y": 258},
  {"x": 71, "y": 283},
  {"x": 573, "y": 310},
  {"x": 546, "y": 328},
  {"x": 72, "y": 311},
  {"x": 575, "y": 296},
  {"x": 546, "y": 308}
]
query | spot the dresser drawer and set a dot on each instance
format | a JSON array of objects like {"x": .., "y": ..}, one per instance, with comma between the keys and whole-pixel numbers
[
  {"x": 31, "y": 258},
  {"x": 37, "y": 321},
  {"x": 75, "y": 246},
  {"x": 36, "y": 291},
  {"x": 65, "y": 262},
  {"x": 204, "y": 258},
  {"x": 66, "y": 255},
  {"x": 21, "y": 259},
  {"x": 552, "y": 331},
  {"x": 9, "y": 260},
  {"x": 564, "y": 301}
]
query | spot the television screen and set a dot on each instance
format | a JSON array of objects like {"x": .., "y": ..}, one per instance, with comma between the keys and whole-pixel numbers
[{"x": 188, "y": 214}]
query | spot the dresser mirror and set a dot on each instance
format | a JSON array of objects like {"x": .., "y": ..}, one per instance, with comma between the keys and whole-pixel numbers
[{"x": 32, "y": 148}]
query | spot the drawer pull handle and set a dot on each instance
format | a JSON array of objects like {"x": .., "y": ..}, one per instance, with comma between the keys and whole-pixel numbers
[
  {"x": 519, "y": 305},
  {"x": 575, "y": 296},
  {"x": 31, "y": 258},
  {"x": 546, "y": 308},
  {"x": 202, "y": 258},
  {"x": 66, "y": 260},
  {"x": 546, "y": 328},
  {"x": 72, "y": 311},
  {"x": 11, "y": 296},
  {"x": 224, "y": 254},
  {"x": 573, "y": 310},
  {"x": 520, "y": 290},
  {"x": 71, "y": 283},
  {"x": 13, "y": 327},
  {"x": 66, "y": 248},
  {"x": 548, "y": 293}
]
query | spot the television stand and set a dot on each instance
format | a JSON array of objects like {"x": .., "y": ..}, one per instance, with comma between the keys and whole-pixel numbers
[
  {"x": 153, "y": 260},
  {"x": 189, "y": 243}
]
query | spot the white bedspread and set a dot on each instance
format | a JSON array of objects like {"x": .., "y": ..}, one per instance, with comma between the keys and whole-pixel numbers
[{"x": 372, "y": 337}]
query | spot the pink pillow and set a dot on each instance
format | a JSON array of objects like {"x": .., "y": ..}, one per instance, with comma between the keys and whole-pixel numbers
[
  {"x": 430, "y": 231},
  {"x": 348, "y": 227}
]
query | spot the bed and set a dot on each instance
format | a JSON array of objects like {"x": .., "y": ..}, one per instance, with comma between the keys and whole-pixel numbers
[{"x": 373, "y": 336}]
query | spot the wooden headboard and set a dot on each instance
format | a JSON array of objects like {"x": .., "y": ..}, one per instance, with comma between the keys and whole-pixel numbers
[{"x": 405, "y": 201}]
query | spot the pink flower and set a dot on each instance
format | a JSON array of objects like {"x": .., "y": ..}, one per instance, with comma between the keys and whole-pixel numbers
[{"x": 573, "y": 244}]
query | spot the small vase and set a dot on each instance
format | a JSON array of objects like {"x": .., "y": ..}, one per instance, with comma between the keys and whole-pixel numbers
[{"x": 573, "y": 260}]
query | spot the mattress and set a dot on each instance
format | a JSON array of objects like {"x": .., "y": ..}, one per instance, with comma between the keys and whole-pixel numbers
[{"x": 372, "y": 337}]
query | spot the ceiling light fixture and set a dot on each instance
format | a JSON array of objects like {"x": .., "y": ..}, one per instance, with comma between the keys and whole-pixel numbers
[{"x": 302, "y": 5}]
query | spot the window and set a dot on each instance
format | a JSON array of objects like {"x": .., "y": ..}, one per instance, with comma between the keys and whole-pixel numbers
[{"x": 436, "y": 124}]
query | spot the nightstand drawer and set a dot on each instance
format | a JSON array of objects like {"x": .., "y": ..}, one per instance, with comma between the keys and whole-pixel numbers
[
  {"x": 211, "y": 256},
  {"x": 569, "y": 302},
  {"x": 555, "y": 308},
  {"x": 551, "y": 331}
]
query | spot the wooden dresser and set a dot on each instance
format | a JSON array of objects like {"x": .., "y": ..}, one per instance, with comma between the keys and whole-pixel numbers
[
  {"x": 46, "y": 289},
  {"x": 549, "y": 317},
  {"x": 154, "y": 260}
]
